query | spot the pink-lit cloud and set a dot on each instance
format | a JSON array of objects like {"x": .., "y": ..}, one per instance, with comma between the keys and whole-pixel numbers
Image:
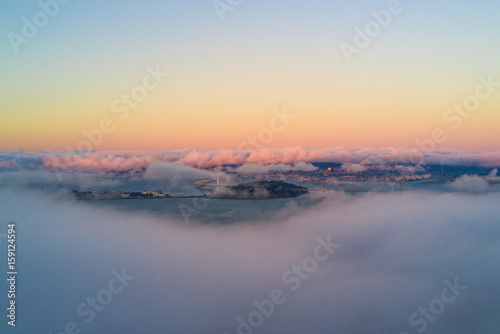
[{"x": 124, "y": 161}]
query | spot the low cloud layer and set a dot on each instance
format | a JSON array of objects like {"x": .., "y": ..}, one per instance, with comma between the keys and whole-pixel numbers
[
  {"x": 52, "y": 181},
  {"x": 396, "y": 252},
  {"x": 471, "y": 184},
  {"x": 353, "y": 168},
  {"x": 261, "y": 168},
  {"x": 125, "y": 161},
  {"x": 171, "y": 171}
]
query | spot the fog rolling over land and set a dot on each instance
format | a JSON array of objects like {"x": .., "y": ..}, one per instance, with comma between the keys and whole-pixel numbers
[
  {"x": 249, "y": 167},
  {"x": 375, "y": 263}
]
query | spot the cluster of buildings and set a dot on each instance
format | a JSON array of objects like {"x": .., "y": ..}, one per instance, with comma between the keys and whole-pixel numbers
[
  {"x": 89, "y": 195},
  {"x": 331, "y": 178}
]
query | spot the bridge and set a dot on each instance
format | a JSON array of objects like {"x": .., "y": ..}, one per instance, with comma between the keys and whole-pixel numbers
[{"x": 207, "y": 183}]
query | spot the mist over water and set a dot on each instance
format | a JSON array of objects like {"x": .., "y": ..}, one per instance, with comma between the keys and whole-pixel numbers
[
  {"x": 250, "y": 167},
  {"x": 395, "y": 252}
]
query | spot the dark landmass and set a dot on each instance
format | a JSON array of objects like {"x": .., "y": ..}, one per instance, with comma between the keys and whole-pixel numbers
[
  {"x": 254, "y": 190},
  {"x": 88, "y": 195},
  {"x": 260, "y": 190},
  {"x": 442, "y": 181}
]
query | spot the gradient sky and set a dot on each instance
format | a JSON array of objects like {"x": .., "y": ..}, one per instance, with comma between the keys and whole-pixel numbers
[{"x": 227, "y": 76}]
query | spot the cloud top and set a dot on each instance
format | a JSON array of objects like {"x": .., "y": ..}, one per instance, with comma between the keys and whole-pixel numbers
[{"x": 297, "y": 157}]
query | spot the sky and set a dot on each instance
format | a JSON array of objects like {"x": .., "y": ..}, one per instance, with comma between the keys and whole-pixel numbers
[{"x": 229, "y": 72}]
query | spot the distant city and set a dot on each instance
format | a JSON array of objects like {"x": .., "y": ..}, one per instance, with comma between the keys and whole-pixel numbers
[
  {"x": 272, "y": 185},
  {"x": 335, "y": 174}
]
